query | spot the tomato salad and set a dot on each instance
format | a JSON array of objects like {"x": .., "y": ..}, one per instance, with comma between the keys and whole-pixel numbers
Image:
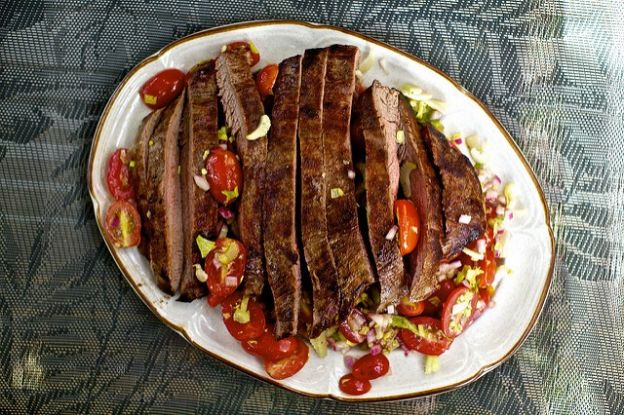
[{"x": 429, "y": 327}]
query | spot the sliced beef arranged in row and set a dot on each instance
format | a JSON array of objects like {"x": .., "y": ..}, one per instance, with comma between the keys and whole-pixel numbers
[
  {"x": 164, "y": 213},
  {"x": 461, "y": 193},
  {"x": 425, "y": 192},
  {"x": 378, "y": 117},
  {"x": 314, "y": 233},
  {"x": 199, "y": 208},
  {"x": 352, "y": 263},
  {"x": 243, "y": 109},
  {"x": 280, "y": 227}
]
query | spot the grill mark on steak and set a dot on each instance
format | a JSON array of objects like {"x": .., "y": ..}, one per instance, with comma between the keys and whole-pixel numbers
[
  {"x": 164, "y": 198},
  {"x": 352, "y": 262},
  {"x": 280, "y": 247},
  {"x": 199, "y": 207},
  {"x": 426, "y": 194},
  {"x": 140, "y": 156},
  {"x": 378, "y": 117},
  {"x": 461, "y": 193},
  {"x": 243, "y": 108},
  {"x": 314, "y": 234}
]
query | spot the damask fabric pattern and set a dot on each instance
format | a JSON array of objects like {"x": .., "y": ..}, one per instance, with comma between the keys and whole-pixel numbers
[{"x": 74, "y": 338}]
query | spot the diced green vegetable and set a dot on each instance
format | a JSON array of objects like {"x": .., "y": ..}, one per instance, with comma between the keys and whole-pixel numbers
[
  {"x": 469, "y": 274},
  {"x": 320, "y": 343},
  {"x": 432, "y": 364},
  {"x": 222, "y": 134},
  {"x": 230, "y": 253},
  {"x": 336, "y": 192},
  {"x": 241, "y": 313},
  {"x": 204, "y": 245},
  {"x": 230, "y": 194}
]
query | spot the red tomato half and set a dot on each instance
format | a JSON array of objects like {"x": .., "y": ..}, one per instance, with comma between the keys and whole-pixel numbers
[
  {"x": 434, "y": 303},
  {"x": 123, "y": 224},
  {"x": 118, "y": 175},
  {"x": 225, "y": 176},
  {"x": 249, "y": 47},
  {"x": 268, "y": 347},
  {"x": 266, "y": 79},
  {"x": 371, "y": 367},
  {"x": 243, "y": 331},
  {"x": 163, "y": 88},
  {"x": 225, "y": 266},
  {"x": 409, "y": 309},
  {"x": 488, "y": 265},
  {"x": 434, "y": 344},
  {"x": 288, "y": 366},
  {"x": 409, "y": 225},
  {"x": 349, "y": 326},
  {"x": 351, "y": 385},
  {"x": 454, "y": 322}
]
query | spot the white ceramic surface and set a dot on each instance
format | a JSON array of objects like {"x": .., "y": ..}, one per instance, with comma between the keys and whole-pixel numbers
[{"x": 492, "y": 339}]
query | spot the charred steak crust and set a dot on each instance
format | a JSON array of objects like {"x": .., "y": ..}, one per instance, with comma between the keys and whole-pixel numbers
[
  {"x": 243, "y": 108},
  {"x": 314, "y": 234},
  {"x": 379, "y": 122},
  {"x": 199, "y": 207},
  {"x": 280, "y": 246},
  {"x": 164, "y": 201},
  {"x": 461, "y": 193},
  {"x": 426, "y": 194},
  {"x": 354, "y": 269}
]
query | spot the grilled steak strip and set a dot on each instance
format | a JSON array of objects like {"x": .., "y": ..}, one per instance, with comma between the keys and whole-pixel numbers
[
  {"x": 140, "y": 156},
  {"x": 352, "y": 263},
  {"x": 314, "y": 234},
  {"x": 199, "y": 207},
  {"x": 243, "y": 108},
  {"x": 426, "y": 194},
  {"x": 280, "y": 248},
  {"x": 164, "y": 202},
  {"x": 461, "y": 193},
  {"x": 379, "y": 122}
]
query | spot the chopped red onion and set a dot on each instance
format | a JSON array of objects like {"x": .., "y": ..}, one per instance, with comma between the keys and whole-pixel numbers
[
  {"x": 497, "y": 179},
  {"x": 491, "y": 195},
  {"x": 358, "y": 318},
  {"x": 349, "y": 361},
  {"x": 223, "y": 146},
  {"x": 226, "y": 213},
  {"x": 481, "y": 246},
  {"x": 332, "y": 343},
  {"x": 500, "y": 211},
  {"x": 375, "y": 350},
  {"x": 392, "y": 233},
  {"x": 370, "y": 336},
  {"x": 231, "y": 281},
  {"x": 465, "y": 219},
  {"x": 510, "y": 215},
  {"x": 201, "y": 182},
  {"x": 458, "y": 141},
  {"x": 390, "y": 309},
  {"x": 351, "y": 174},
  {"x": 115, "y": 221}
]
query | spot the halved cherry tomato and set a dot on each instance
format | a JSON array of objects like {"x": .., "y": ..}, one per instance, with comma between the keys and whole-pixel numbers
[
  {"x": 349, "y": 328},
  {"x": 163, "y": 88},
  {"x": 288, "y": 366},
  {"x": 371, "y": 367},
  {"x": 225, "y": 266},
  {"x": 433, "y": 304},
  {"x": 454, "y": 322},
  {"x": 123, "y": 224},
  {"x": 249, "y": 47},
  {"x": 225, "y": 176},
  {"x": 434, "y": 344},
  {"x": 118, "y": 175},
  {"x": 409, "y": 225},
  {"x": 351, "y": 385},
  {"x": 266, "y": 79},
  {"x": 243, "y": 331},
  {"x": 268, "y": 347},
  {"x": 488, "y": 265},
  {"x": 410, "y": 309}
]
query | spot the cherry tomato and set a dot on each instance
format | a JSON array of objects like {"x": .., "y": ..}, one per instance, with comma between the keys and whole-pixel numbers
[
  {"x": 163, "y": 88},
  {"x": 288, "y": 366},
  {"x": 123, "y": 224},
  {"x": 351, "y": 385},
  {"x": 454, "y": 322},
  {"x": 371, "y": 367},
  {"x": 268, "y": 347},
  {"x": 225, "y": 266},
  {"x": 349, "y": 328},
  {"x": 434, "y": 344},
  {"x": 252, "y": 53},
  {"x": 266, "y": 79},
  {"x": 243, "y": 331},
  {"x": 118, "y": 175},
  {"x": 488, "y": 265},
  {"x": 225, "y": 176},
  {"x": 409, "y": 225},
  {"x": 433, "y": 304},
  {"x": 409, "y": 309}
]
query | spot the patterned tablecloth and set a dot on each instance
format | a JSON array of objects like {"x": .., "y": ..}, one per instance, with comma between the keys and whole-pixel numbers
[{"x": 74, "y": 338}]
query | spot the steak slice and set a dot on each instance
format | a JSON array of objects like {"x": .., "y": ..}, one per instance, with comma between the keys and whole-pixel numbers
[
  {"x": 461, "y": 193},
  {"x": 314, "y": 234},
  {"x": 280, "y": 200},
  {"x": 352, "y": 263},
  {"x": 199, "y": 208},
  {"x": 425, "y": 192},
  {"x": 243, "y": 108},
  {"x": 378, "y": 115},
  {"x": 165, "y": 207},
  {"x": 139, "y": 173}
]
